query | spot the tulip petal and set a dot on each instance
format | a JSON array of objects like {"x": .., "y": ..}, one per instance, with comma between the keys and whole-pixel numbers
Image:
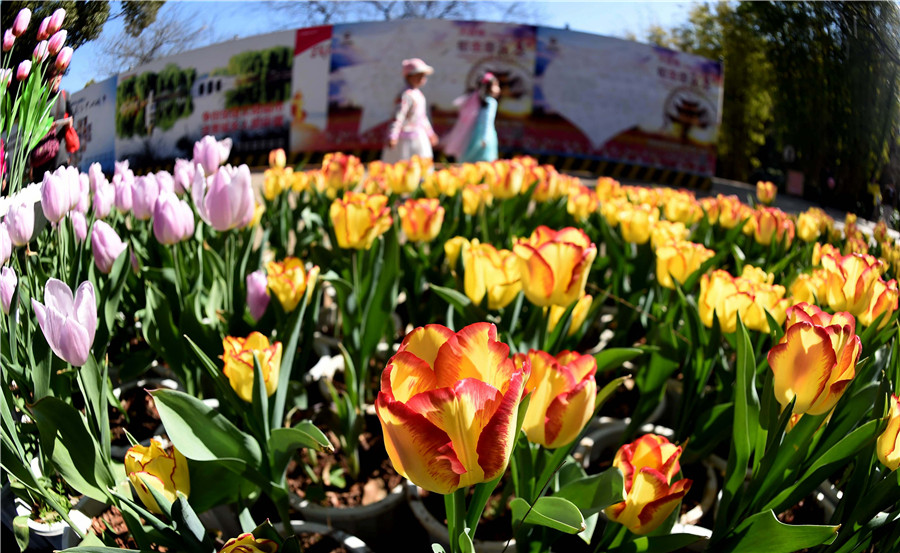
[
  {"x": 474, "y": 352},
  {"x": 58, "y": 296},
  {"x": 498, "y": 437},
  {"x": 802, "y": 365},
  {"x": 425, "y": 342},
  {"x": 407, "y": 376},
  {"x": 658, "y": 510},
  {"x": 418, "y": 449},
  {"x": 568, "y": 413},
  {"x": 85, "y": 309}
]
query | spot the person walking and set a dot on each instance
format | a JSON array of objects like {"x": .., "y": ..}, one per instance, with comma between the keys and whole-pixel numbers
[
  {"x": 411, "y": 133},
  {"x": 474, "y": 137},
  {"x": 51, "y": 151}
]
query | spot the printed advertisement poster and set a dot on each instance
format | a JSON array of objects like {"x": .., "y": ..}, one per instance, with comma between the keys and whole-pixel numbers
[
  {"x": 366, "y": 80},
  {"x": 637, "y": 103},
  {"x": 239, "y": 88},
  {"x": 96, "y": 130},
  {"x": 309, "y": 102}
]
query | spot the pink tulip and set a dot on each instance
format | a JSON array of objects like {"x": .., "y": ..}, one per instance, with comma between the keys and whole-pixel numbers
[
  {"x": 56, "y": 21},
  {"x": 79, "y": 225},
  {"x": 184, "y": 175},
  {"x": 228, "y": 201},
  {"x": 23, "y": 70},
  {"x": 257, "y": 293},
  {"x": 8, "y": 40},
  {"x": 124, "y": 192},
  {"x": 23, "y": 18},
  {"x": 165, "y": 181},
  {"x": 72, "y": 178},
  {"x": 64, "y": 58},
  {"x": 20, "y": 222},
  {"x": 6, "y": 77},
  {"x": 95, "y": 176},
  {"x": 210, "y": 154},
  {"x": 105, "y": 245},
  {"x": 41, "y": 51},
  {"x": 84, "y": 193},
  {"x": 146, "y": 190},
  {"x": 68, "y": 323},
  {"x": 8, "y": 282},
  {"x": 5, "y": 244},
  {"x": 135, "y": 264},
  {"x": 56, "y": 42},
  {"x": 104, "y": 196},
  {"x": 173, "y": 219},
  {"x": 55, "y": 196},
  {"x": 44, "y": 29}
]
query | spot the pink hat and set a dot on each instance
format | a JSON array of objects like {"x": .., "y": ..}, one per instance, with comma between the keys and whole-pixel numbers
[{"x": 416, "y": 66}]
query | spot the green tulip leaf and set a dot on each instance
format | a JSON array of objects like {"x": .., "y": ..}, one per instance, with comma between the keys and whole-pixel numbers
[
  {"x": 596, "y": 492},
  {"x": 200, "y": 432},
  {"x": 284, "y": 442},
  {"x": 552, "y": 512},
  {"x": 763, "y": 533},
  {"x": 21, "y": 531},
  {"x": 659, "y": 544}
]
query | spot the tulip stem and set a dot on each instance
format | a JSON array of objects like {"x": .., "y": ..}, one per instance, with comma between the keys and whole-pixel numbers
[
  {"x": 455, "y": 505},
  {"x": 177, "y": 271}
]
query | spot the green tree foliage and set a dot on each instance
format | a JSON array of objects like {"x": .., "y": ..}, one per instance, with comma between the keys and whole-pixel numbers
[
  {"x": 170, "y": 92},
  {"x": 262, "y": 76}
]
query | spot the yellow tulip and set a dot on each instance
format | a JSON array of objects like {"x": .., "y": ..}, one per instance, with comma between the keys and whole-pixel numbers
[
  {"x": 882, "y": 300},
  {"x": 550, "y": 184},
  {"x": 563, "y": 390},
  {"x": 581, "y": 203},
  {"x": 341, "y": 172},
  {"x": 289, "y": 281},
  {"x": 238, "y": 360},
  {"x": 731, "y": 211},
  {"x": 475, "y": 197},
  {"x": 808, "y": 228},
  {"x": 683, "y": 208},
  {"x": 766, "y": 192},
  {"x": 710, "y": 207},
  {"x": 246, "y": 543},
  {"x": 677, "y": 261},
  {"x": 579, "y": 315},
  {"x": 421, "y": 219},
  {"x": 649, "y": 465},
  {"x": 636, "y": 222},
  {"x": 758, "y": 275},
  {"x": 610, "y": 209},
  {"x": 815, "y": 360},
  {"x": 167, "y": 472},
  {"x": 608, "y": 188},
  {"x": 511, "y": 176},
  {"x": 888, "y": 445},
  {"x": 664, "y": 232},
  {"x": 490, "y": 272},
  {"x": 452, "y": 249},
  {"x": 821, "y": 250},
  {"x": 849, "y": 280},
  {"x": 277, "y": 158},
  {"x": 448, "y": 404},
  {"x": 358, "y": 219},
  {"x": 807, "y": 287},
  {"x": 300, "y": 181},
  {"x": 554, "y": 265},
  {"x": 276, "y": 181},
  {"x": 727, "y": 297}
]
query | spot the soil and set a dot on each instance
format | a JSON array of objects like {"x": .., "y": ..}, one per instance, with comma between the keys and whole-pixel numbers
[
  {"x": 377, "y": 475},
  {"x": 111, "y": 523},
  {"x": 142, "y": 417},
  {"x": 318, "y": 543}
]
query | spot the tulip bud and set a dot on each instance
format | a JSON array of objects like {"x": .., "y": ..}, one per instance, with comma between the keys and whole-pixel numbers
[
  {"x": 79, "y": 225},
  {"x": 173, "y": 220},
  {"x": 146, "y": 191},
  {"x": 239, "y": 367},
  {"x": 55, "y": 197},
  {"x": 83, "y": 195},
  {"x": 44, "y": 29},
  {"x": 23, "y": 18},
  {"x": 56, "y": 42},
  {"x": 56, "y": 21},
  {"x": 41, "y": 51},
  {"x": 104, "y": 197},
  {"x": 23, "y": 70},
  {"x": 8, "y": 40},
  {"x": 166, "y": 472},
  {"x": 290, "y": 282},
  {"x": 5, "y": 244},
  {"x": 6, "y": 77},
  {"x": 888, "y": 445},
  {"x": 124, "y": 192},
  {"x": 421, "y": 219},
  {"x": 165, "y": 181},
  {"x": 277, "y": 158},
  {"x": 257, "y": 294},
  {"x": 8, "y": 282},
  {"x": 63, "y": 59},
  {"x": 20, "y": 222},
  {"x": 105, "y": 245},
  {"x": 183, "y": 175}
]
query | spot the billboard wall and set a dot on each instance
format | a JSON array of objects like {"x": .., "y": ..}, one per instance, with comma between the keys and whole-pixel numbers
[
  {"x": 91, "y": 110},
  {"x": 335, "y": 88}
]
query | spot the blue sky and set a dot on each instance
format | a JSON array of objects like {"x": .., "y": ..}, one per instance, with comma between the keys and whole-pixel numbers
[{"x": 242, "y": 19}]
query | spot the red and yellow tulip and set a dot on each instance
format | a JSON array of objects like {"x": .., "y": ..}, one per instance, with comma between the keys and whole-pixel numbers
[
  {"x": 358, "y": 219},
  {"x": 247, "y": 543},
  {"x": 815, "y": 360},
  {"x": 579, "y": 314},
  {"x": 167, "y": 472},
  {"x": 421, "y": 219},
  {"x": 888, "y": 445},
  {"x": 290, "y": 282},
  {"x": 766, "y": 192},
  {"x": 676, "y": 261},
  {"x": 636, "y": 221},
  {"x": 563, "y": 391},
  {"x": 649, "y": 465},
  {"x": 490, "y": 272},
  {"x": 448, "y": 404},
  {"x": 581, "y": 202},
  {"x": 554, "y": 265},
  {"x": 238, "y": 359},
  {"x": 727, "y": 296}
]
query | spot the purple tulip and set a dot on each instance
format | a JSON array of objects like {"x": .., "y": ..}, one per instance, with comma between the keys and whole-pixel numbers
[
  {"x": 257, "y": 293},
  {"x": 146, "y": 190},
  {"x": 23, "y": 18},
  {"x": 44, "y": 29},
  {"x": 20, "y": 222},
  {"x": 124, "y": 192},
  {"x": 8, "y": 40},
  {"x": 95, "y": 176},
  {"x": 56, "y": 42},
  {"x": 23, "y": 70},
  {"x": 8, "y": 282},
  {"x": 41, "y": 51},
  {"x": 64, "y": 58},
  {"x": 173, "y": 219},
  {"x": 165, "y": 181},
  {"x": 210, "y": 154},
  {"x": 5, "y": 244},
  {"x": 72, "y": 178},
  {"x": 104, "y": 196},
  {"x": 184, "y": 175},
  {"x": 105, "y": 245},
  {"x": 121, "y": 167},
  {"x": 68, "y": 323},
  {"x": 135, "y": 264},
  {"x": 55, "y": 197},
  {"x": 84, "y": 194},
  {"x": 79, "y": 225},
  {"x": 227, "y": 202},
  {"x": 56, "y": 21}
]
